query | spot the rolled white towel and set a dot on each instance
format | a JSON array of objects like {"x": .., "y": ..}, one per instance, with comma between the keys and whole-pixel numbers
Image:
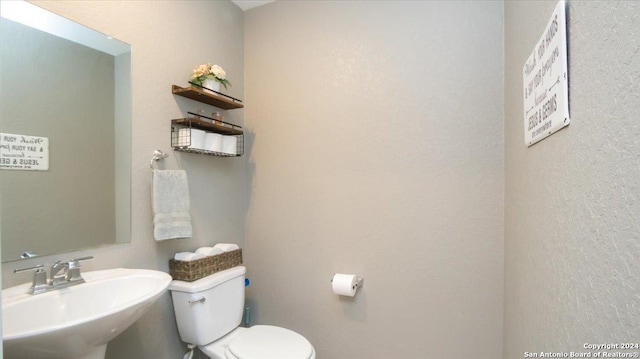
[
  {"x": 209, "y": 251},
  {"x": 227, "y": 247},
  {"x": 188, "y": 256},
  {"x": 182, "y": 255}
]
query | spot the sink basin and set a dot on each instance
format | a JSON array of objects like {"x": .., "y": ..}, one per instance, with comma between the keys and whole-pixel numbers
[{"x": 77, "y": 322}]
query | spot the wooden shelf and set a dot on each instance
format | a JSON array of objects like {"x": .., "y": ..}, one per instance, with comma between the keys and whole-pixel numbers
[
  {"x": 197, "y": 94},
  {"x": 218, "y": 127}
]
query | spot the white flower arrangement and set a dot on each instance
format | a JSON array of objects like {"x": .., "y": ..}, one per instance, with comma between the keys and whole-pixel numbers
[{"x": 209, "y": 72}]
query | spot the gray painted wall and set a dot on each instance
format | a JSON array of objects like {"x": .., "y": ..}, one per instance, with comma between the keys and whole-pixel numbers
[
  {"x": 377, "y": 149},
  {"x": 572, "y": 208},
  {"x": 169, "y": 39}
]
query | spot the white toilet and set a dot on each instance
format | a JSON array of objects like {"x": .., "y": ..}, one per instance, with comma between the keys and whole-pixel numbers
[{"x": 209, "y": 311}]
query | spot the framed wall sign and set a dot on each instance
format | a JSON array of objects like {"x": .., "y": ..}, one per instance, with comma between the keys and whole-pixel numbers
[{"x": 545, "y": 81}]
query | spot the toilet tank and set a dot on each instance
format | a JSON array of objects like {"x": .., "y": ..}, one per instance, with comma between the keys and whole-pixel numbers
[{"x": 209, "y": 308}]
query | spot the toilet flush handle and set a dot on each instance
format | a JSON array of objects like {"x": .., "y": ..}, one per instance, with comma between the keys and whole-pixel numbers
[{"x": 199, "y": 300}]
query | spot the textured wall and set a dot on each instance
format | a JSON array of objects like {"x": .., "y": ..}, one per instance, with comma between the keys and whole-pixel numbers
[
  {"x": 572, "y": 206},
  {"x": 169, "y": 38},
  {"x": 377, "y": 149}
]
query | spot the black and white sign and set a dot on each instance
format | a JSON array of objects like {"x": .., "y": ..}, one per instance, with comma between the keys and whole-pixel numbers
[
  {"x": 545, "y": 81},
  {"x": 22, "y": 152}
]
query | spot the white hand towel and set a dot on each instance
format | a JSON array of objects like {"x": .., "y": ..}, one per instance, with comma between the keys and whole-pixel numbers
[
  {"x": 227, "y": 247},
  {"x": 171, "y": 218},
  {"x": 209, "y": 251}
]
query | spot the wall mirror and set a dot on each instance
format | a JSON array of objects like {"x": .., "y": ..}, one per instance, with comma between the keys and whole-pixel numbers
[{"x": 68, "y": 89}]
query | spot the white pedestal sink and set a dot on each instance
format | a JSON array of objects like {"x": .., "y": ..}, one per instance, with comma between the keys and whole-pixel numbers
[{"x": 77, "y": 322}]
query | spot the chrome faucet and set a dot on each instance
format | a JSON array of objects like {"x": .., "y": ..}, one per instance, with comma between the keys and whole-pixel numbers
[
  {"x": 70, "y": 276},
  {"x": 57, "y": 267}
]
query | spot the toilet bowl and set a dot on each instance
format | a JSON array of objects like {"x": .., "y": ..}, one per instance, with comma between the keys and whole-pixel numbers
[{"x": 209, "y": 311}]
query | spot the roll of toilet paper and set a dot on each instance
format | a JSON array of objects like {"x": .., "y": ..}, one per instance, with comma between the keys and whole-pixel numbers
[
  {"x": 344, "y": 284},
  {"x": 213, "y": 142},
  {"x": 227, "y": 247},
  {"x": 209, "y": 251},
  {"x": 184, "y": 137},
  {"x": 230, "y": 144},
  {"x": 197, "y": 139}
]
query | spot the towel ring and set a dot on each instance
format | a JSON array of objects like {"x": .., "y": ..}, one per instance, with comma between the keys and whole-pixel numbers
[{"x": 157, "y": 156}]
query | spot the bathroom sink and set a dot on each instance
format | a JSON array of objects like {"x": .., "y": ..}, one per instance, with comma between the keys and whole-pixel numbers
[{"x": 77, "y": 322}]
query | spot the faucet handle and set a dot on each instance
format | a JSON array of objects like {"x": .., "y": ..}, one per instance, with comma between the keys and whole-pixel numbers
[
  {"x": 76, "y": 261},
  {"x": 37, "y": 268},
  {"x": 74, "y": 270},
  {"x": 39, "y": 283},
  {"x": 81, "y": 259}
]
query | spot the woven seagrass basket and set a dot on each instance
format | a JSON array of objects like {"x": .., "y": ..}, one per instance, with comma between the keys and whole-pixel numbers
[{"x": 190, "y": 271}]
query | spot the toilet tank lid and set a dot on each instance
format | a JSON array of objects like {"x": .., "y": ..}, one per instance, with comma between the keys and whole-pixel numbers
[{"x": 207, "y": 282}]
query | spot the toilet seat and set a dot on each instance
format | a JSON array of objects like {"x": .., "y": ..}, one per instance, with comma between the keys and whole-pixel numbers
[{"x": 269, "y": 342}]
